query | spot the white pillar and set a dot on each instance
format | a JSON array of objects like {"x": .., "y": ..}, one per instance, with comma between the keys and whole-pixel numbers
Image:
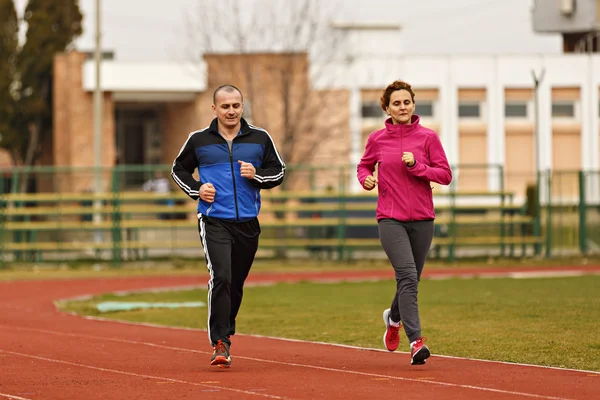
[
  {"x": 545, "y": 130},
  {"x": 495, "y": 128},
  {"x": 589, "y": 118},
  {"x": 97, "y": 119},
  {"x": 544, "y": 141},
  {"x": 590, "y": 128},
  {"x": 449, "y": 120},
  {"x": 355, "y": 137}
]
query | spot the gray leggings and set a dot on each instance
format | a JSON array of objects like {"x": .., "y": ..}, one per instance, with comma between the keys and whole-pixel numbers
[{"x": 406, "y": 245}]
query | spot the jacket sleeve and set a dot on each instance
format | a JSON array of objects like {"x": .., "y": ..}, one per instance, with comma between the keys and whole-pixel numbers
[
  {"x": 183, "y": 168},
  {"x": 272, "y": 171},
  {"x": 366, "y": 166},
  {"x": 439, "y": 170}
]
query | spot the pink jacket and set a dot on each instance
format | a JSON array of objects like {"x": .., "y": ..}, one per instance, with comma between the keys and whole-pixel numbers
[{"x": 405, "y": 193}]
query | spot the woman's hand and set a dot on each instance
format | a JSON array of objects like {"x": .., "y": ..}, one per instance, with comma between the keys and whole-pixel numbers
[
  {"x": 408, "y": 158},
  {"x": 370, "y": 182}
]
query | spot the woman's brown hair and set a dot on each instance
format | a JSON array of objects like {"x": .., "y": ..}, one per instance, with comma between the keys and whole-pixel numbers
[{"x": 384, "y": 101}]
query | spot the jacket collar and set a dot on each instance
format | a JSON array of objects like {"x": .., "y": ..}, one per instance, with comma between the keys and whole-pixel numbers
[
  {"x": 214, "y": 126},
  {"x": 403, "y": 130}
]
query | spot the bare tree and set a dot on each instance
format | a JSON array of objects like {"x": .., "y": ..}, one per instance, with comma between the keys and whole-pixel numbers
[{"x": 275, "y": 49}]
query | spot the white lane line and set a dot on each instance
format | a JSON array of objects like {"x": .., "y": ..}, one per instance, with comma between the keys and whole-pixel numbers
[
  {"x": 116, "y": 371},
  {"x": 9, "y": 396},
  {"x": 182, "y": 328},
  {"x": 308, "y": 366},
  {"x": 347, "y": 346}
]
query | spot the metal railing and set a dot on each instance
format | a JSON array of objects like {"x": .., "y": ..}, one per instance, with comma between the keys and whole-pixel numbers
[{"x": 318, "y": 215}]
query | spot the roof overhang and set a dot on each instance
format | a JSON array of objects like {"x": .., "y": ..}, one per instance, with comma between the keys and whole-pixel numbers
[{"x": 147, "y": 81}]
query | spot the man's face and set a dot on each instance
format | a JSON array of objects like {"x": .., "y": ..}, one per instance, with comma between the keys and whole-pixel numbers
[{"x": 228, "y": 108}]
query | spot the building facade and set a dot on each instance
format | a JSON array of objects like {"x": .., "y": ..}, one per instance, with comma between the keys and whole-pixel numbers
[
  {"x": 484, "y": 110},
  {"x": 483, "y": 107},
  {"x": 149, "y": 110}
]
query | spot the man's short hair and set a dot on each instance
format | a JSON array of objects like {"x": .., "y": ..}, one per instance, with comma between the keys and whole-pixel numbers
[{"x": 227, "y": 88}]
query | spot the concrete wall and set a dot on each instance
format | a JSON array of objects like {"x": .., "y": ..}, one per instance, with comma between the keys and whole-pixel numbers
[{"x": 547, "y": 16}]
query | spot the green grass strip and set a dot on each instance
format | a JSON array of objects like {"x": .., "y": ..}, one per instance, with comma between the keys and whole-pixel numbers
[{"x": 550, "y": 321}]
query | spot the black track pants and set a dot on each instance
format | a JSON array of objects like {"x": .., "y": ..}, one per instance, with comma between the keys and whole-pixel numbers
[{"x": 229, "y": 248}]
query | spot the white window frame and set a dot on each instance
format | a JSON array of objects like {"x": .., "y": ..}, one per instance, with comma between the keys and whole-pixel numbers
[
  {"x": 372, "y": 122},
  {"x": 482, "y": 110},
  {"x": 576, "y": 110},
  {"x": 529, "y": 110},
  {"x": 434, "y": 110},
  {"x": 371, "y": 103}
]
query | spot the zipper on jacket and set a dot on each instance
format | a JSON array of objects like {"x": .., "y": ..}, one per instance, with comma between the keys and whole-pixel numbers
[
  {"x": 237, "y": 213},
  {"x": 256, "y": 200},
  {"x": 405, "y": 172}
]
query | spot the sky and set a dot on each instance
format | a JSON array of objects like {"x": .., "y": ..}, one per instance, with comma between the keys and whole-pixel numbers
[{"x": 158, "y": 30}]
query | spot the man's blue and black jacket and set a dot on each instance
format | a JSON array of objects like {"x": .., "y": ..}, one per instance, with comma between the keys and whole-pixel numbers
[{"x": 237, "y": 198}]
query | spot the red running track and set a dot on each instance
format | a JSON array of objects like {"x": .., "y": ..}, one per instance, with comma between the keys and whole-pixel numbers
[{"x": 45, "y": 354}]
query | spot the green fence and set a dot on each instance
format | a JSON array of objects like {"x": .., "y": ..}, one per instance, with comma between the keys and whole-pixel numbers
[
  {"x": 318, "y": 213},
  {"x": 570, "y": 209}
]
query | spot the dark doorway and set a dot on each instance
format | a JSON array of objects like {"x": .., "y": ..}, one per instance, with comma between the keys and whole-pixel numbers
[{"x": 138, "y": 140}]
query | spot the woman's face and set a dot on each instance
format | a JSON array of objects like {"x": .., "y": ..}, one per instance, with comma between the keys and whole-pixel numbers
[{"x": 401, "y": 107}]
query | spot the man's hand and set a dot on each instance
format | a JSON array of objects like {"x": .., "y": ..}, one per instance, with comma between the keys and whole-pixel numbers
[
  {"x": 408, "y": 158},
  {"x": 370, "y": 182},
  {"x": 207, "y": 192},
  {"x": 247, "y": 170}
]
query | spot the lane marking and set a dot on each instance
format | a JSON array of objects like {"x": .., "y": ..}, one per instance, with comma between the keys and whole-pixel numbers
[
  {"x": 8, "y": 396},
  {"x": 346, "y": 346},
  {"x": 161, "y": 379},
  {"x": 259, "y": 360}
]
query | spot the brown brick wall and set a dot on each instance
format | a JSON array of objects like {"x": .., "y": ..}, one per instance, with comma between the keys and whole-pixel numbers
[
  {"x": 278, "y": 89},
  {"x": 276, "y": 86},
  {"x": 178, "y": 121},
  {"x": 74, "y": 125},
  {"x": 262, "y": 78},
  {"x": 61, "y": 111},
  {"x": 5, "y": 160},
  {"x": 326, "y": 143}
]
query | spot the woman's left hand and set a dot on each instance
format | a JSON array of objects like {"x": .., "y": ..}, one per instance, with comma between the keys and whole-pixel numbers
[{"x": 408, "y": 158}]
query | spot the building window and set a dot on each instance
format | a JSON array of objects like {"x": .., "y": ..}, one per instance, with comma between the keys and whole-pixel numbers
[
  {"x": 515, "y": 110},
  {"x": 563, "y": 109},
  {"x": 469, "y": 110},
  {"x": 424, "y": 109},
  {"x": 372, "y": 110}
]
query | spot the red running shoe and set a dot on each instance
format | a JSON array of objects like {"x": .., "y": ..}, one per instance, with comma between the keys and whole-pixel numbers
[
  {"x": 419, "y": 352},
  {"x": 391, "y": 337}
]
